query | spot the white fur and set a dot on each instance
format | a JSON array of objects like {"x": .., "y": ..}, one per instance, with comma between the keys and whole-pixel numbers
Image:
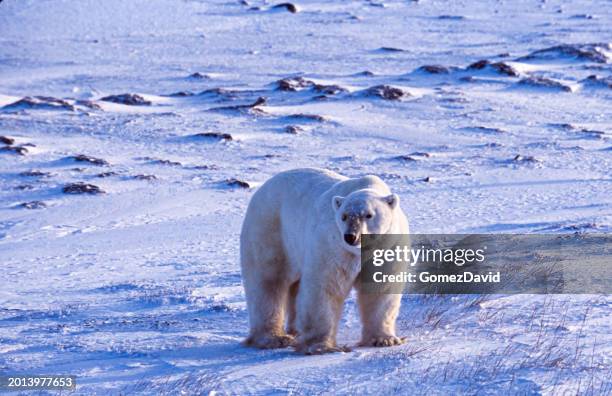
[{"x": 296, "y": 267}]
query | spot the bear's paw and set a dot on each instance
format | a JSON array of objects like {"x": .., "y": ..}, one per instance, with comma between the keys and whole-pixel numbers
[
  {"x": 269, "y": 341},
  {"x": 383, "y": 341},
  {"x": 320, "y": 348}
]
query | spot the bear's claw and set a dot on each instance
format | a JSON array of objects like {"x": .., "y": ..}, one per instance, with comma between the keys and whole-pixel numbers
[
  {"x": 383, "y": 341},
  {"x": 320, "y": 348},
  {"x": 270, "y": 341}
]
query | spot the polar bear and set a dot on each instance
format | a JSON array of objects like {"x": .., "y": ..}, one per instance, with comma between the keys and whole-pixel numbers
[{"x": 300, "y": 258}]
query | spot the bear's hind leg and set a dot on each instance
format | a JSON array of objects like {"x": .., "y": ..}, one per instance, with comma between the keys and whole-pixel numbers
[
  {"x": 267, "y": 312},
  {"x": 264, "y": 271}
]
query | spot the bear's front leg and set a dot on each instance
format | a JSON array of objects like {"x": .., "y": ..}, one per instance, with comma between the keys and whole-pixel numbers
[
  {"x": 318, "y": 314},
  {"x": 378, "y": 315}
]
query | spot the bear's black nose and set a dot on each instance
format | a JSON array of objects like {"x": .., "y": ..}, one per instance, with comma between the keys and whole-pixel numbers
[{"x": 351, "y": 239}]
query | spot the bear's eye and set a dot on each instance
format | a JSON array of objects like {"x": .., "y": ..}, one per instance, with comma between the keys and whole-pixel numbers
[
  {"x": 369, "y": 216},
  {"x": 344, "y": 217}
]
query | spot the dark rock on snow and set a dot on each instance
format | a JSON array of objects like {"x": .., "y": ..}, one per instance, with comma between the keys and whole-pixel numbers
[
  {"x": 390, "y": 49},
  {"x": 451, "y": 17},
  {"x": 181, "y": 94},
  {"x": 166, "y": 162},
  {"x": 543, "y": 82},
  {"x": 106, "y": 174},
  {"x": 127, "y": 99},
  {"x": 500, "y": 67},
  {"x": 222, "y": 92},
  {"x": 485, "y": 129},
  {"x": 528, "y": 158},
  {"x": 331, "y": 89},
  {"x": 387, "y": 92},
  {"x": 15, "y": 149},
  {"x": 6, "y": 140},
  {"x": 35, "y": 173},
  {"x": 593, "y": 52},
  {"x": 205, "y": 167},
  {"x": 89, "y": 160},
  {"x": 198, "y": 76},
  {"x": 215, "y": 135},
  {"x": 292, "y": 8},
  {"x": 293, "y": 84},
  {"x": 307, "y": 117},
  {"x": 293, "y": 129},
  {"x": 403, "y": 157},
  {"x": 145, "y": 177},
  {"x": 436, "y": 69},
  {"x": 248, "y": 108},
  {"x": 89, "y": 104},
  {"x": 82, "y": 188},
  {"x": 233, "y": 182},
  {"x": 40, "y": 102}
]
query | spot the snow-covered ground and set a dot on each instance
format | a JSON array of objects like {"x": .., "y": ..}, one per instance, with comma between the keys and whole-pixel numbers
[{"x": 137, "y": 289}]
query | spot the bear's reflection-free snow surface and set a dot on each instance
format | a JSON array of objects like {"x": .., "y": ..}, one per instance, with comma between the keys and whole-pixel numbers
[{"x": 482, "y": 116}]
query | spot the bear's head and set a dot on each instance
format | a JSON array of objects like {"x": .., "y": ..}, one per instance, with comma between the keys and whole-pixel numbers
[{"x": 363, "y": 212}]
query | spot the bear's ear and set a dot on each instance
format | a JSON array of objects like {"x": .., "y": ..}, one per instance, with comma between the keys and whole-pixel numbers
[
  {"x": 392, "y": 200},
  {"x": 337, "y": 202}
]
